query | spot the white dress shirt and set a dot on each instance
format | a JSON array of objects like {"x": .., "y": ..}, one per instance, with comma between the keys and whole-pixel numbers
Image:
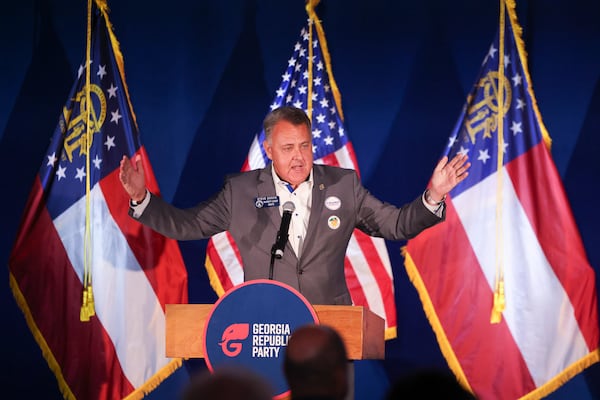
[{"x": 302, "y": 199}]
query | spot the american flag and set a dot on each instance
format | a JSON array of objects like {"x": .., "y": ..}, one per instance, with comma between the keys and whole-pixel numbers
[
  {"x": 308, "y": 83},
  {"x": 505, "y": 281},
  {"x": 91, "y": 281}
]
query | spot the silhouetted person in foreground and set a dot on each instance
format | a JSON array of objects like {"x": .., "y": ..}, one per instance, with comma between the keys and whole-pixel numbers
[
  {"x": 428, "y": 384},
  {"x": 316, "y": 364},
  {"x": 227, "y": 383}
]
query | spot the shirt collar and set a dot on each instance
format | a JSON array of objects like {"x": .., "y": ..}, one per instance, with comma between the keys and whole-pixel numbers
[{"x": 279, "y": 182}]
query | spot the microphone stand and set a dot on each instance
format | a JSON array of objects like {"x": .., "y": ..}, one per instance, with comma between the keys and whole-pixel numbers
[
  {"x": 282, "y": 235},
  {"x": 273, "y": 256},
  {"x": 276, "y": 254}
]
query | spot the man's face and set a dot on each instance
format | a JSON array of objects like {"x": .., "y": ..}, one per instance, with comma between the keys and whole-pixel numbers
[{"x": 290, "y": 149}]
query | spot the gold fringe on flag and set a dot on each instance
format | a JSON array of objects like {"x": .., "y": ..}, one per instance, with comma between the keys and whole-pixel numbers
[
  {"x": 213, "y": 277},
  {"x": 40, "y": 340},
  {"x": 434, "y": 320},
  {"x": 562, "y": 378},
  {"x": 156, "y": 380},
  {"x": 101, "y": 4},
  {"x": 310, "y": 9},
  {"x": 518, "y": 32}
]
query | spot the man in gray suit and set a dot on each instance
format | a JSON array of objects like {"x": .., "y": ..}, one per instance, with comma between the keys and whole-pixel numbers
[{"x": 329, "y": 203}]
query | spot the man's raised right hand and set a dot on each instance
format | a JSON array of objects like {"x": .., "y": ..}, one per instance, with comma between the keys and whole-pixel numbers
[{"x": 132, "y": 178}]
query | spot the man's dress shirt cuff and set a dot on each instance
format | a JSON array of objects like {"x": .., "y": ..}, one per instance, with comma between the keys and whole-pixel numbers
[
  {"x": 137, "y": 209},
  {"x": 437, "y": 209}
]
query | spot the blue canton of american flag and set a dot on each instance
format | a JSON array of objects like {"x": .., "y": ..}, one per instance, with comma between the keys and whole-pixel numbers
[
  {"x": 307, "y": 77},
  {"x": 82, "y": 268},
  {"x": 330, "y": 143},
  {"x": 327, "y": 127}
]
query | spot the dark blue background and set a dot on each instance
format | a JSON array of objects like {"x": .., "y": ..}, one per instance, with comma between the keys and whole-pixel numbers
[{"x": 201, "y": 76}]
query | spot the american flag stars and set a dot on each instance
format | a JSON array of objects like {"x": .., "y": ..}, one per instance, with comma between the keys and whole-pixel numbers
[{"x": 328, "y": 132}]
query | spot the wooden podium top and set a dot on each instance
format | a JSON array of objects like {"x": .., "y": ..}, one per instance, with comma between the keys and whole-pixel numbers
[{"x": 361, "y": 329}]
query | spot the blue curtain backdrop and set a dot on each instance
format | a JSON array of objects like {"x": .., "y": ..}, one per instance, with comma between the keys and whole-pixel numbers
[{"x": 202, "y": 74}]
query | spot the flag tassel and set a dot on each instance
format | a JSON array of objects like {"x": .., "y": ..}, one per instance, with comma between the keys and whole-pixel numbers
[
  {"x": 499, "y": 303},
  {"x": 90, "y": 301},
  {"x": 84, "y": 315}
]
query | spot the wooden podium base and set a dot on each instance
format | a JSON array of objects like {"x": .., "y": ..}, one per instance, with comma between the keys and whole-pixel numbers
[{"x": 361, "y": 329}]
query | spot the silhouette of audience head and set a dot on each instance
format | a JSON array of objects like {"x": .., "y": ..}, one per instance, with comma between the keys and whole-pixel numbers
[
  {"x": 227, "y": 383},
  {"x": 316, "y": 364},
  {"x": 428, "y": 384}
]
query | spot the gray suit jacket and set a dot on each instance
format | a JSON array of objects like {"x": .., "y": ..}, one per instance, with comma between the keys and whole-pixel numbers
[{"x": 319, "y": 273}]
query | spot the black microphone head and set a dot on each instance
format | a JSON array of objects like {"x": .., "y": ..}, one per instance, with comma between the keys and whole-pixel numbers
[{"x": 289, "y": 206}]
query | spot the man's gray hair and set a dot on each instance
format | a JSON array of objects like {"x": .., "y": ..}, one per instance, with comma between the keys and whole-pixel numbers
[{"x": 293, "y": 115}]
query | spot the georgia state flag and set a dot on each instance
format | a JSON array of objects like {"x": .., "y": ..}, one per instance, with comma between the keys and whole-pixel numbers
[
  {"x": 505, "y": 281},
  {"x": 91, "y": 281}
]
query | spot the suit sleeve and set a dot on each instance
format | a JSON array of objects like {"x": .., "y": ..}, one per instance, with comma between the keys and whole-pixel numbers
[
  {"x": 381, "y": 219},
  {"x": 200, "y": 222}
]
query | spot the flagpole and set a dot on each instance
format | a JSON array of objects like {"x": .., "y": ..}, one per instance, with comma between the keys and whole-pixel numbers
[
  {"x": 310, "y": 9},
  {"x": 310, "y": 4}
]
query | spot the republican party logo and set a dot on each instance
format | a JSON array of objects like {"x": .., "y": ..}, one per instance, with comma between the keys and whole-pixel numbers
[
  {"x": 250, "y": 326},
  {"x": 231, "y": 341}
]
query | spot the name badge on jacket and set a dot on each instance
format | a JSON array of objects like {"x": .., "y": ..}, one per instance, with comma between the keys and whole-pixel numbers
[{"x": 266, "y": 201}]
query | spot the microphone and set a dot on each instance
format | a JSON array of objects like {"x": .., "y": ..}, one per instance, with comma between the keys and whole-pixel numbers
[{"x": 282, "y": 234}]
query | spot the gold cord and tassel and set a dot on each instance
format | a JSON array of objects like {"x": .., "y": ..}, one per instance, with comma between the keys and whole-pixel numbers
[
  {"x": 88, "y": 309},
  {"x": 499, "y": 297}
]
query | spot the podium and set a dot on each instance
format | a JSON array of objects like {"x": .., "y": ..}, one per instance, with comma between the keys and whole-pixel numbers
[{"x": 361, "y": 330}]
